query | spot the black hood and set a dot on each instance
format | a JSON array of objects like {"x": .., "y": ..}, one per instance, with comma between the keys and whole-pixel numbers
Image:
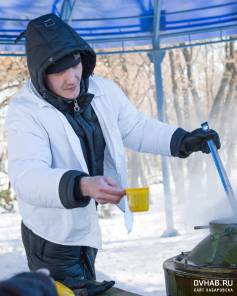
[{"x": 48, "y": 39}]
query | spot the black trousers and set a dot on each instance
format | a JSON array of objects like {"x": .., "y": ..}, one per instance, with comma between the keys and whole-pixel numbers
[{"x": 68, "y": 264}]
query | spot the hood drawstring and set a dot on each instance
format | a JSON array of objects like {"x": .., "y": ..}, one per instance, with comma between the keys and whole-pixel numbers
[{"x": 20, "y": 36}]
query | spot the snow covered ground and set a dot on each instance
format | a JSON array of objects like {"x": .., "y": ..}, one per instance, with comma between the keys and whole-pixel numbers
[{"x": 134, "y": 261}]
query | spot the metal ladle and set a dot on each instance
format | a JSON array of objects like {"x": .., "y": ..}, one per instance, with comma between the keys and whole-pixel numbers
[{"x": 222, "y": 172}]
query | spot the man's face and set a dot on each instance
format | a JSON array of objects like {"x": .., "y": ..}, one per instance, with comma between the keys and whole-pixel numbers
[{"x": 66, "y": 83}]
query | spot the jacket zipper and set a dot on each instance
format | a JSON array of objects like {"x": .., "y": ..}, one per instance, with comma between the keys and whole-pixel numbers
[{"x": 76, "y": 106}]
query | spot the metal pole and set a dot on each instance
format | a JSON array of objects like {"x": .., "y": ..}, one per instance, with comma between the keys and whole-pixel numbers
[
  {"x": 157, "y": 60},
  {"x": 67, "y": 9}
]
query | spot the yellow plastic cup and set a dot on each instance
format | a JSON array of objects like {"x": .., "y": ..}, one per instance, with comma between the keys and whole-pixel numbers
[
  {"x": 63, "y": 290},
  {"x": 138, "y": 199}
]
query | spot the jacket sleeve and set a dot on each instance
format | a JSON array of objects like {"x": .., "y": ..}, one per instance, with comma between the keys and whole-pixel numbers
[
  {"x": 140, "y": 132},
  {"x": 70, "y": 190},
  {"x": 30, "y": 164}
]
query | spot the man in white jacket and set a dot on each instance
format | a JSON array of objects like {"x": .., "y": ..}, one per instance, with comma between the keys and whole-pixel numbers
[{"x": 66, "y": 136}]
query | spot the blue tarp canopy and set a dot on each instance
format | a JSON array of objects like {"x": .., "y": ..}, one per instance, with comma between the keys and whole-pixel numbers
[{"x": 123, "y": 23}]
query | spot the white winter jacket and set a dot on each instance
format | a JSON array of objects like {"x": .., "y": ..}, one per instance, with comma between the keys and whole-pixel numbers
[{"x": 42, "y": 146}]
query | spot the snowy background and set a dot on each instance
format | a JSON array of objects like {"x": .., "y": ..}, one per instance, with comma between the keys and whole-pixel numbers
[
  {"x": 134, "y": 261},
  {"x": 204, "y": 89}
]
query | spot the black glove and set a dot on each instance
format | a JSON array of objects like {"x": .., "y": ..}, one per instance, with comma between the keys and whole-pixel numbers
[
  {"x": 90, "y": 288},
  {"x": 184, "y": 143}
]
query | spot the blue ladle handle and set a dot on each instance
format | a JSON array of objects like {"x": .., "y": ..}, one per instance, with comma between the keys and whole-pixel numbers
[{"x": 221, "y": 172}]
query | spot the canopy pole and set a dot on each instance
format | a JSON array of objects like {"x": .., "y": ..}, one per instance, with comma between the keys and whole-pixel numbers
[
  {"x": 67, "y": 10},
  {"x": 157, "y": 60}
]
